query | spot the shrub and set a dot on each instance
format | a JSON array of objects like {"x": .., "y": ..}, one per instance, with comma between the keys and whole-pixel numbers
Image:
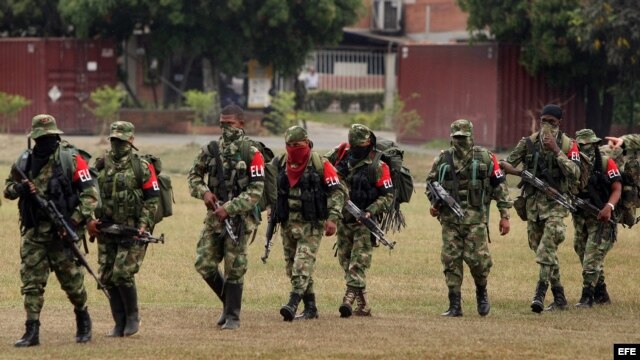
[
  {"x": 202, "y": 103},
  {"x": 10, "y": 106}
]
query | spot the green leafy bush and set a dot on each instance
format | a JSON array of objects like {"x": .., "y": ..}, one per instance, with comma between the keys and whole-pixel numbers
[
  {"x": 202, "y": 103},
  {"x": 10, "y": 106},
  {"x": 107, "y": 101}
]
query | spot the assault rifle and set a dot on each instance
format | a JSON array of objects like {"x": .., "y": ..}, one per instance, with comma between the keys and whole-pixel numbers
[
  {"x": 438, "y": 195},
  {"x": 540, "y": 185},
  {"x": 228, "y": 227},
  {"x": 271, "y": 229},
  {"x": 588, "y": 207},
  {"x": 64, "y": 229},
  {"x": 369, "y": 223},
  {"x": 129, "y": 232}
]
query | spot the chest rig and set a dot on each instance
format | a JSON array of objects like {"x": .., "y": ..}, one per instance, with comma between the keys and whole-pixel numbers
[
  {"x": 543, "y": 164},
  {"x": 120, "y": 189},
  {"x": 470, "y": 182},
  {"x": 227, "y": 170},
  {"x": 308, "y": 197}
]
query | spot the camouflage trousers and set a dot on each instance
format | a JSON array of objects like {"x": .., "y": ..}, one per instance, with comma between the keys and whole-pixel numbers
[
  {"x": 119, "y": 260},
  {"x": 468, "y": 243},
  {"x": 300, "y": 242},
  {"x": 544, "y": 238},
  {"x": 212, "y": 250},
  {"x": 354, "y": 253},
  {"x": 41, "y": 253},
  {"x": 592, "y": 242}
]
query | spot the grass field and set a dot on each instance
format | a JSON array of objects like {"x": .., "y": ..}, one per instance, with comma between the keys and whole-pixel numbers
[{"x": 406, "y": 289}]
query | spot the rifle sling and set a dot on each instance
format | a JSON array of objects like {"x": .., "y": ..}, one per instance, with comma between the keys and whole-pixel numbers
[
  {"x": 214, "y": 148},
  {"x": 448, "y": 157}
]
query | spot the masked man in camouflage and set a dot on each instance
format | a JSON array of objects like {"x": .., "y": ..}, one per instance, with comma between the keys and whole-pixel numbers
[
  {"x": 625, "y": 150},
  {"x": 57, "y": 171},
  {"x": 471, "y": 175},
  {"x": 130, "y": 195},
  {"x": 373, "y": 195},
  {"x": 553, "y": 157},
  {"x": 595, "y": 236},
  {"x": 310, "y": 201},
  {"x": 228, "y": 176}
]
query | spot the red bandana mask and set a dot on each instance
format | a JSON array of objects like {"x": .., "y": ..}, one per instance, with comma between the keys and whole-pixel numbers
[{"x": 297, "y": 159}]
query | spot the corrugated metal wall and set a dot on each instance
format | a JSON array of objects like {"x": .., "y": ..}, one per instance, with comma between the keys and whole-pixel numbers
[
  {"x": 483, "y": 83},
  {"x": 448, "y": 82},
  {"x": 33, "y": 67},
  {"x": 522, "y": 98}
]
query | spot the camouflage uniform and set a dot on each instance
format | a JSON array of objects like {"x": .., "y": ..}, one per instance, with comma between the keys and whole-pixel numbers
[
  {"x": 593, "y": 238},
  {"x": 354, "y": 246},
  {"x": 545, "y": 217},
  {"x": 301, "y": 235},
  {"x": 130, "y": 201},
  {"x": 466, "y": 238},
  {"x": 42, "y": 249},
  {"x": 214, "y": 245}
]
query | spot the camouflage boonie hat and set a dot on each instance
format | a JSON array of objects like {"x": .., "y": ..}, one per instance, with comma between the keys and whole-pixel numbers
[
  {"x": 461, "y": 127},
  {"x": 122, "y": 130},
  {"x": 44, "y": 124},
  {"x": 586, "y": 136},
  {"x": 295, "y": 134},
  {"x": 359, "y": 134}
]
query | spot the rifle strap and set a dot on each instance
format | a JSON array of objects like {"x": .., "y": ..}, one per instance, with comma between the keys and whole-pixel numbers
[{"x": 214, "y": 148}]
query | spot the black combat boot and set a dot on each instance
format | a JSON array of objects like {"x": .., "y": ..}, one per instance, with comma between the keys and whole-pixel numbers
[
  {"x": 600, "y": 294},
  {"x": 586, "y": 300},
  {"x": 346, "y": 309},
  {"x": 310, "y": 310},
  {"x": 130, "y": 299},
  {"x": 363, "y": 308},
  {"x": 216, "y": 283},
  {"x": 559, "y": 301},
  {"x": 482, "y": 299},
  {"x": 83, "y": 325},
  {"x": 455, "y": 304},
  {"x": 31, "y": 336},
  {"x": 117, "y": 312},
  {"x": 537, "y": 305},
  {"x": 288, "y": 311},
  {"x": 233, "y": 304}
]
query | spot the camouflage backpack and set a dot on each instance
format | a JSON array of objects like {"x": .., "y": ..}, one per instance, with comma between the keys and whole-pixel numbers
[
  {"x": 165, "y": 206},
  {"x": 629, "y": 166}
]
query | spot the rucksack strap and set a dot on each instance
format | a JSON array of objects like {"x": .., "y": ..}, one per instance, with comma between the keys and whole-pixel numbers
[
  {"x": 448, "y": 157},
  {"x": 137, "y": 168}
]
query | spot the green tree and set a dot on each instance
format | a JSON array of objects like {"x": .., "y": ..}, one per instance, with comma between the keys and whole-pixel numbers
[
  {"x": 31, "y": 18},
  {"x": 10, "y": 106},
  {"x": 546, "y": 31},
  {"x": 611, "y": 30},
  {"x": 224, "y": 33}
]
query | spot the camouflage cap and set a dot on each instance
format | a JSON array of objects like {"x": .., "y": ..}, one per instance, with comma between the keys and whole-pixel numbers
[
  {"x": 122, "y": 130},
  {"x": 294, "y": 134},
  {"x": 586, "y": 136},
  {"x": 461, "y": 127},
  {"x": 358, "y": 135},
  {"x": 44, "y": 124}
]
